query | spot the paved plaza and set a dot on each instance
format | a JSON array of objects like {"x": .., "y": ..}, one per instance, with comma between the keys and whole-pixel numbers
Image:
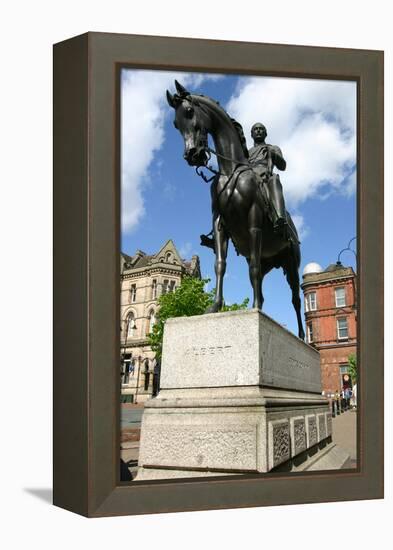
[{"x": 344, "y": 435}]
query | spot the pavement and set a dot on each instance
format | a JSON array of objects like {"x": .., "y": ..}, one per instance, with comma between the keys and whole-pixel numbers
[
  {"x": 343, "y": 426},
  {"x": 344, "y": 433}
]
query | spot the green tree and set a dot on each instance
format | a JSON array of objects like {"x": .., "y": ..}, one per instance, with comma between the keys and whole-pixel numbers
[
  {"x": 189, "y": 299},
  {"x": 352, "y": 369}
]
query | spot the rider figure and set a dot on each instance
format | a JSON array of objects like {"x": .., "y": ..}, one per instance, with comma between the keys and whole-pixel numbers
[{"x": 263, "y": 157}]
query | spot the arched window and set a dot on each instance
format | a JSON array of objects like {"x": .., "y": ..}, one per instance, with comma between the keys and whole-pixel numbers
[
  {"x": 151, "y": 319},
  {"x": 154, "y": 289},
  {"x": 130, "y": 325},
  {"x": 169, "y": 257}
]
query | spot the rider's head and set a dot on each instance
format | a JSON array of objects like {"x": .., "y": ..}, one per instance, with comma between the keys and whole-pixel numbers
[{"x": 258, "y": 132}]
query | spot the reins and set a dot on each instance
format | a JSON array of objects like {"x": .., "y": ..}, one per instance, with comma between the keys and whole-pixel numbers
[{"x": 209, "y": 152}]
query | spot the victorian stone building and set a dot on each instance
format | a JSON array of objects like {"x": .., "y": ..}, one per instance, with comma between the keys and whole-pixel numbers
[
  {"x": 330, "y": 311},
  {"x": 143, "y": 278}
]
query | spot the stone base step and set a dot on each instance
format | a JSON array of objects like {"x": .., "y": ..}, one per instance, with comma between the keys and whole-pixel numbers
[{"x": 327, "y": 457}]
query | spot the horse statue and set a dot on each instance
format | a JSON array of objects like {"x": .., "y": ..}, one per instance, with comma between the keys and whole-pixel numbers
[{"x": 239, "y": 206}]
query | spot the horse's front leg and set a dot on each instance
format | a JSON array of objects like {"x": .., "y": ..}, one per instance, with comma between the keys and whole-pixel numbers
[
  {"x": 221, "y": 249},
  {"x": 254, "y": 261}
]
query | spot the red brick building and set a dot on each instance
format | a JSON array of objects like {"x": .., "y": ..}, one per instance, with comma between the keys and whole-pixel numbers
[{"x": 330, "y": 312}]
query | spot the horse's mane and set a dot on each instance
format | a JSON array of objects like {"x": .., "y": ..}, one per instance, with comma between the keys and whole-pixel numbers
[
  {"x": 240, "y": 131},
  {"x": 238, "y": 127}
]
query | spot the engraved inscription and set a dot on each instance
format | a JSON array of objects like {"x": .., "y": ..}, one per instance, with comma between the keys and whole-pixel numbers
[
  {"x": 206, "y": 350},
  {"x": 281, "y": 443},
  {"x": 299, "y": 435},
  {"x": 321, "y": 426},
  {"x": 312, "y": 435},
  {"x": 295, "y": 363}
]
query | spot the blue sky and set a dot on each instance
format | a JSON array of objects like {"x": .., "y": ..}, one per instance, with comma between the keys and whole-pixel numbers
[{"x": 312, "y": 121}]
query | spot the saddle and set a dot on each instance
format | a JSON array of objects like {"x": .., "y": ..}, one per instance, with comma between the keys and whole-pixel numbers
[{"x": 289, "y": 231}]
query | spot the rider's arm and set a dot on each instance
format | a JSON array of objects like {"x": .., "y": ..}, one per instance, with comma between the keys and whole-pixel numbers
[{"x": 277, "y": 158}]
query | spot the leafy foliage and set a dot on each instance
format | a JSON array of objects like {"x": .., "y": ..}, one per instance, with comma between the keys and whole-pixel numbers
[
  {"x": 189, "y": 299},
  {"x": 235, "y": 307},
  {"x": 352, "y": 369}
]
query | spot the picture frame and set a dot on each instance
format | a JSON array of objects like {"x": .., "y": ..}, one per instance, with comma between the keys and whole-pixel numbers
[{"x": 86, "y": 273}]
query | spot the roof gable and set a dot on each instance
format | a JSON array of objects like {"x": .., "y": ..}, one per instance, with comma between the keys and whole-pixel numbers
[{"x": 167, "y": 254}]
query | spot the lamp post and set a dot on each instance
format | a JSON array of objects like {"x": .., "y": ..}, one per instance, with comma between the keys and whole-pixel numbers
[
  {"x": 348, "y": 247},
  {"x": 137, "y": 379}
]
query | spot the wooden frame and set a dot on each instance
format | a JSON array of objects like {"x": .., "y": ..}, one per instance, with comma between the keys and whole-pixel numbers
[{"x": 86, "y": 273}]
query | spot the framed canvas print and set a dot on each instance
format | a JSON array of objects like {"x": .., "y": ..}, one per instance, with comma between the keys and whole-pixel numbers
[{"x": 218, "y": 259}]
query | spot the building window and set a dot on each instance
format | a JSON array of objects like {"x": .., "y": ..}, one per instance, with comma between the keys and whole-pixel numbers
[
  {"x": 172, "y": 286},
  {"x": 128, "y": 368},
  {"x": 311, "y": 301},
  {"x": 309, "y": 333},
  {"x": 133, "y": 293},
  {"x": 154, "y": 289},
  {"x": 131, "y": 325},
  {"x": 165, "y": 286},
  {"x": 343, "y": 369},
  {"x": 340, "y": 296},
  {"x": 342, "y": 328}
]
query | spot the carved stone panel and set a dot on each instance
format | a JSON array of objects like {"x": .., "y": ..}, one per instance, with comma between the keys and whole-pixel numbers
[
  {"x": 329, "y": 423},
  {"x": 321, "y": 426},
  {"x": 279, "y": 442},
  {"x": 311, "y": 430},
  {"x": 298, "y": 435}
]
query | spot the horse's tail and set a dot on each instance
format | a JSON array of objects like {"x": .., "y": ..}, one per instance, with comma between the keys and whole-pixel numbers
[
  {"x": 294, "y": 254},
  {"x": 293, "y": 234}
]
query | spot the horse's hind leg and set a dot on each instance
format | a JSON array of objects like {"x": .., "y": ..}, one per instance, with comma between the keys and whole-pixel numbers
[
  {"x": 254, "y": 261},
  {"x": 292, "y": 274}
]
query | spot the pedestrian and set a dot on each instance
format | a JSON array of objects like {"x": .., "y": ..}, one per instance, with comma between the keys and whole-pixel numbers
[
  {"x": 337, "y": 401},
  {"x": 346, "y": 397}
]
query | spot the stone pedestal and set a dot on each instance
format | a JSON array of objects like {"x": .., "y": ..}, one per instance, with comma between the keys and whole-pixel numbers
[{"x": 239, "y": 394}]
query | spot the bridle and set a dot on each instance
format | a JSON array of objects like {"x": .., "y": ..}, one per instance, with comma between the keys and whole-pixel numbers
[{"x": 209, "y": 151}]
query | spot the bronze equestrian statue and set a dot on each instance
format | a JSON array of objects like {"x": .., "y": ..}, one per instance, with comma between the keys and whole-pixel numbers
[{"x": 246, "y": 206}]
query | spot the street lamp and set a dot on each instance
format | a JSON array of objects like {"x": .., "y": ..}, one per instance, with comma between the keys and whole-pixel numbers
[
  {"x": 348, "y": 247},
  {"x": 137, "y": 379}
]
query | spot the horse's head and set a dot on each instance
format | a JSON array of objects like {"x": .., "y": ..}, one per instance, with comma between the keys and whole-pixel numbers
[{"x": 191, "y": 121}]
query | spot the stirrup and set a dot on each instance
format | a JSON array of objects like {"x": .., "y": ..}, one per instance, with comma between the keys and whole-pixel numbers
[
  {"x": 279, "y": 224},
  {"x": 207, "y": 241}
]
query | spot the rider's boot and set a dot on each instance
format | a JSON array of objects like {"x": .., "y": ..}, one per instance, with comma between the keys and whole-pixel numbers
[{"x": 277, "y": 197}]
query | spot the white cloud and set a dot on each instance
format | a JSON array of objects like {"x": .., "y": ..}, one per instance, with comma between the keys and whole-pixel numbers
[
  {"x": 314, "y": 124},
  {"x": 350, "y": 184},
  {"x": 185, "y": 250},
  {"x": 300, "y": 225},
  {"x": 143, "y": 112}
]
